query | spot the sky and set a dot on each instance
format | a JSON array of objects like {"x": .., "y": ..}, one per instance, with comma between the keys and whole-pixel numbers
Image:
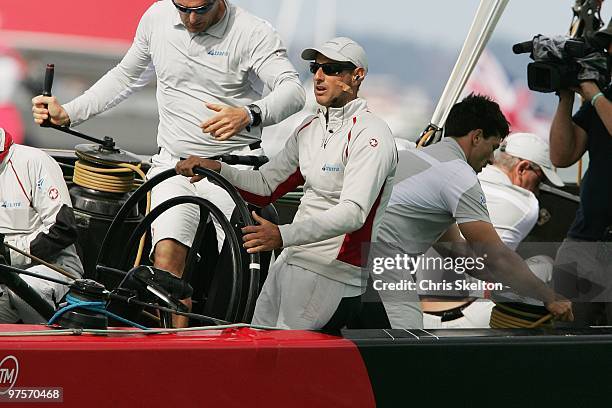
[
  {"x": 440, "y": 23},
  {"x": 437, "y": 22}
]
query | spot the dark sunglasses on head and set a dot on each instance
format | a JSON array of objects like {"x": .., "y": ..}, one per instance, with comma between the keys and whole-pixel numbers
[
  {"x": 198, "y": 10},
  {"x": 332, "y": 68}
]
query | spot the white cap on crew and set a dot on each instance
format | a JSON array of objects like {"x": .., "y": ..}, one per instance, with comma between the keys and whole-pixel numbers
[
  {"x": 531, "y": 147},
  {"x": 341, "y": 49}
]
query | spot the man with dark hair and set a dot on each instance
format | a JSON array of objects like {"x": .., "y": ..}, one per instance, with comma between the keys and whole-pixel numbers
[
  {"x": 476, "y": 112},
  {"x": 436, "y": 190},
  {"x": 510, "y": 186},
  {"x": 584, "y": 270}
]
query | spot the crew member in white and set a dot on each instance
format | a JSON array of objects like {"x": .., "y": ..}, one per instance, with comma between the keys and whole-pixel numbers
[
  {"x": 36, "y": 217},
  {"x": 213, "y": 62},
  {"x": 345, "y": 157},
  {"x": 510, "y": 186}
]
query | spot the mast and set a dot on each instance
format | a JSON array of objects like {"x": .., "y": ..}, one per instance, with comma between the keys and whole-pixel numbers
[
  {"x": 484, "y": 23},
  {"x": 288, "y": 20}
]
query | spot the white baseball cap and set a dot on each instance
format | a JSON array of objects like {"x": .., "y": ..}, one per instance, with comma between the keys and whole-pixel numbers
[
  {"x": 341, "y": 49},
  {"x": 528, "y": 146}
]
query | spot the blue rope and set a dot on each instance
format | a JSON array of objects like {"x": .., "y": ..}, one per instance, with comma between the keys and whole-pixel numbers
[{"x": 98, "y": 307}]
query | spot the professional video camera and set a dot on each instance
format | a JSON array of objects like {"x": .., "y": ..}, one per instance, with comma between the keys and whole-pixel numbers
[{"x": 563, "y": 62}]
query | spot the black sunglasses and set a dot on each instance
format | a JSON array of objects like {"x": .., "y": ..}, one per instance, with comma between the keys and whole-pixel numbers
[
  {"x": 198, "y": 10},
  {"x": 536, "y": 169},
  {"x": 332, "y": 68}
]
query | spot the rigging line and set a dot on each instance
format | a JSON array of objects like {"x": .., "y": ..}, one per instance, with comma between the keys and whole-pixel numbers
[
  {"x": 18, "y": 271},
  {"x": 42, "y": 262}
]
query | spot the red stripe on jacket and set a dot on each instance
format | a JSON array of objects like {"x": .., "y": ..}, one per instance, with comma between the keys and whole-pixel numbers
[
  {"x": 295, "y": 180},
  {"x": 20, "y": 184},
  {"x": 349, "y": 137},
  {"x": 351, "y": 250}
]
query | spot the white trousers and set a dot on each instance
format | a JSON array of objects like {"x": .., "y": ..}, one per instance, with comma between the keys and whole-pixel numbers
[
  {"x": 13, "y": 308},
  {"x": 296, "y": 298},
  {"x": 404, "y": 311},
  {"x": 475, "y": 316},
  {"x": 181, "y": 222},
  {"x": 403, "y": 307}
]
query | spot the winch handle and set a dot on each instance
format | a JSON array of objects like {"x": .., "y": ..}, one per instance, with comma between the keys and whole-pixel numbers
[
  {"x": 48, "y": 84},
  {"x": 49, "y": 74},
  {"x": 106, "y": 143}
]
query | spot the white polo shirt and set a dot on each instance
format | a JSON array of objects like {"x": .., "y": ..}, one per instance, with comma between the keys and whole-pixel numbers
[
  {"x": 436, "y": 187},
  {"x": 513, "y": 209},
  {"x": 513, "y": 212},
  {"x": 232, "y": 63}
]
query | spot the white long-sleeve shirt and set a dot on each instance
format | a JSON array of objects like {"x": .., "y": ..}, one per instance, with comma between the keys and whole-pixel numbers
[
  {"x": 35, "y": 210},
  {"x": 235, "y": 62},
  {"x": 346, "y": 160}
]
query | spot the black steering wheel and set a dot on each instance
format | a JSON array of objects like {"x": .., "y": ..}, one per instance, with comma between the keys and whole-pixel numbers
[{"x": 235, "y": 311}]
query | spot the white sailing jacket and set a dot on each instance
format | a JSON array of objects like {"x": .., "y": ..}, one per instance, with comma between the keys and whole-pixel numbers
[
  {"x": 346, "y": 159},
  {"x": 35, "y": 211}
]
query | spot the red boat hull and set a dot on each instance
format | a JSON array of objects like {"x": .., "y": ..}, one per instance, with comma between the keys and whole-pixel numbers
[
  {"x": 238, "y": 367},
  {"x": 364, "y": 368}
]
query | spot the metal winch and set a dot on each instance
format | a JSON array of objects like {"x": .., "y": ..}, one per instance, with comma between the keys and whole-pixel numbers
[{"x": 104, "y": 177}]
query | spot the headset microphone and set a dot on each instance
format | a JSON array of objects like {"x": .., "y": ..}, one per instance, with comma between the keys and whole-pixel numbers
[{"x": 345, "y": 87}]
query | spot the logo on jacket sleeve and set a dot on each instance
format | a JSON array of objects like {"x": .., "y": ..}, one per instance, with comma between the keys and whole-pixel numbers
[
  {"x": 373, "y": 142},
  {"x": 483, "y": 200},
  {"x": 40, "y": 184},
  {"x": 53, "y": 193}
]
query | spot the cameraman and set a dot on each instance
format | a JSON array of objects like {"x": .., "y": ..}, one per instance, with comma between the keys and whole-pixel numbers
[{"x": 583, "y": 272}]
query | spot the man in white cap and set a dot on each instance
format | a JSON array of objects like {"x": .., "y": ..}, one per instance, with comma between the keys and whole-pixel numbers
[
  {"x": 510, "y": 186},
  {"x": 345, "y": 157},
  {"x": 35, "y": 217},
  {"x": 512, "y": 182}
]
